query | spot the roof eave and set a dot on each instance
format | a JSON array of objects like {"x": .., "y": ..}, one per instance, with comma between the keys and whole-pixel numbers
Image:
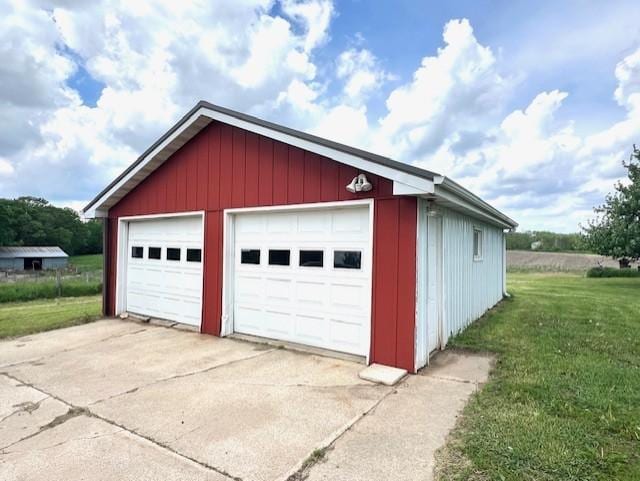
[
  {"x": 450, "y": 191},
  {"x": 204, "y": 113}
]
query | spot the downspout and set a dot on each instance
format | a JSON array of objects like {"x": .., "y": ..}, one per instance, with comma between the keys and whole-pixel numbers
[{"x": 504, "y": 264}]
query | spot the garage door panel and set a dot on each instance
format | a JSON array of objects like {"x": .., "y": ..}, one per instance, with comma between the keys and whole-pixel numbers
[
  {"x": 249, "y": 288},
  {"x": 350, "y": 221},
  {"x": 347, "y": 296},
  {"x": 278, "y": 323},
  {"x": 311, "y": 293},
  {"x": 311, "y": 329},
  {"x": 280, "y": 223},
  {"x": 248, "y": 318},
  {"x": 345, "y": 333},
  {"x": 317, "y": 305},
  {"x": 278, "y": 291},
  {"x": 163, "y": 288}
]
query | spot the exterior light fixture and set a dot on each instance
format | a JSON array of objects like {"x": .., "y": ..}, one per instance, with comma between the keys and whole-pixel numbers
[{"x": 359, "y": 184}]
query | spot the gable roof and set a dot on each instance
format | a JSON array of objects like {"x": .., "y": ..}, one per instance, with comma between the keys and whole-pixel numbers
[
  {"x": 408, "y": 179},
  {"x": 12, "y": 252}
]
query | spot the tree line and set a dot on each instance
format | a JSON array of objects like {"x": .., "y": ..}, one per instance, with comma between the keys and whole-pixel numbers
[
  {"x": 546, "y": 241},
  {"x": 32, "y": 221}
]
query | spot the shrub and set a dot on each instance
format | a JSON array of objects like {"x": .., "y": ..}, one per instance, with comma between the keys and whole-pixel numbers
[{"x": 612, "y": 272}]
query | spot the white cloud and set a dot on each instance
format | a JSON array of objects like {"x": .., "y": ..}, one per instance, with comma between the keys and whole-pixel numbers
[
  {"x": 361, "y": 73},
  {"x": 459, "y": 90},
  {"x": 157, "y": 59}
]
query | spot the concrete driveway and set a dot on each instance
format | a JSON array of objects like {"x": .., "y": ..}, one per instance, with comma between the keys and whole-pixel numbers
[{"x": 122, "y": 400}]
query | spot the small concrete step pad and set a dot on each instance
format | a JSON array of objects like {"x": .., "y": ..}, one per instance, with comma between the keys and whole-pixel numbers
[{"x": 382, "y": 374}]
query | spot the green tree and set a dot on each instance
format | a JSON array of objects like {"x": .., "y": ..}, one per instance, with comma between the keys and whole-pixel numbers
[
  {"x": 32, "y": 221},
  {"x": 616, "y": 230}
]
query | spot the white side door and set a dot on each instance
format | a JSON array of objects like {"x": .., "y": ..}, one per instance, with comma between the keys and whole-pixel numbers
[{"x": 434, "y": 282}]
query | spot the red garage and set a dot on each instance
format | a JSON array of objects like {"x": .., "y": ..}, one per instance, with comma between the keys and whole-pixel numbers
[{"x": 238, "y": 225}]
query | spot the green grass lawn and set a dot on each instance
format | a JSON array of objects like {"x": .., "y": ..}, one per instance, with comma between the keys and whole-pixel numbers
[
  {"x": 46, "y": 289},
  {"x": 21, "y": 318},
  {"x": 563, "y": 402},
  {"x": 87, "y": 263}
]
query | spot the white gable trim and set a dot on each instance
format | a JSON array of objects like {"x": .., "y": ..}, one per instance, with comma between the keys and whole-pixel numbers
[{"x": 159, "y": 154}]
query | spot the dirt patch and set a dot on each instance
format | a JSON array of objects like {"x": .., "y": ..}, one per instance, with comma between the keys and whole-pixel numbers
[{"x": 556, "y": 261}]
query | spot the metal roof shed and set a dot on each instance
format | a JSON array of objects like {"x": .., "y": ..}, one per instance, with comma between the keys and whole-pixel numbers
[{"x": 20, "y": 258}]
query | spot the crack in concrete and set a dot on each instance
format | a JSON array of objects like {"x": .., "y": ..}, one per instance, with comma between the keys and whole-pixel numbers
[
  {"x": 70, "y": 414},
  {"x": 476, "y": 383},
  {"x": 70, "y": 349},
  {"x": 24, "y": 407},
  {"x": 66, "y": 441},
  {"x": 77, "y": 411},
  {"x": 176, "y": 376},
  {"x": 301, "y": 471}
]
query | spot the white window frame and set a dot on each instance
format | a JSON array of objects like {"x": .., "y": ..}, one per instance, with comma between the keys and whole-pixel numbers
[{"x": 480, "y": 255}]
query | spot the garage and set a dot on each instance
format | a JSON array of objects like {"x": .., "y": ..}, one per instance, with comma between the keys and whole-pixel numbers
[
  {"x": 164, "y": 268},
  {"x": 304, "y": 276},
  {"x": 238, "y": 225}
]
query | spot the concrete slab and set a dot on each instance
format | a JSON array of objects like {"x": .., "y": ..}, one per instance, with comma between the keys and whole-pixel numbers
[
  {"x": 122, "y": 363},
  {"x": 37, "y": 346},
  {"x": 398, "y": 439},
  {"x": 88, "y": 448},
  {"x": 256, "y": 419},
  {"x": 460, "y": 366},
  {"x": 23, "y": 410},
  {"x": 381, "y": 374}
]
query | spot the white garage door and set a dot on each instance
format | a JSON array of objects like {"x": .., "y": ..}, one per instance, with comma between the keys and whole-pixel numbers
[
  {"x": 164, "y": 269},
  {"x": 305, "y": 277}
]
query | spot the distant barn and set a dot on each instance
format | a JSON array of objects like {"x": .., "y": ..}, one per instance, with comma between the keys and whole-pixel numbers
[{"x": 32, "y": 258}]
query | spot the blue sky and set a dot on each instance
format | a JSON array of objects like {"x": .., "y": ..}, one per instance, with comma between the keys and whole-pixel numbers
[{"x": 532, "y": 105}]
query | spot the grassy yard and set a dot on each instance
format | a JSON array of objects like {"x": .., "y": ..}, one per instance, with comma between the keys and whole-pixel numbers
[
  {"x": 87, "y": 263},
  {"x": 564, "y": 400},
  {"x": 46, "y": 289},
  {"x": 21, "y": 318}
]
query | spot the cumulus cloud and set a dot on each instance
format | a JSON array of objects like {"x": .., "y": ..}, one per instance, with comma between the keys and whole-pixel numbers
[
  {"x": 155, "y": 61},
  {"x": 361, "y": 73},
  {"x": 152, "y": 61}
]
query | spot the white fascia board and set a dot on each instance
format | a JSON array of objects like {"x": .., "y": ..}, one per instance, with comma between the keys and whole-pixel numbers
[
  {"x": 403, "y": 189},
  {"x": 360, "y": 163},
  {"x": 95, "y": 209},
  {"x": 94, "y": 213},
  {"x": 448, "y": 190},
  {"x": 469, "y": 207}
]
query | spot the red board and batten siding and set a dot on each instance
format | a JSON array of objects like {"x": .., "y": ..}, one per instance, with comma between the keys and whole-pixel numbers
[{"x": 226, "y": 167}]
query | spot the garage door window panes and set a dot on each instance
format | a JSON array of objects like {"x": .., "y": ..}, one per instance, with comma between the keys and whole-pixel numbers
[
  {"x": 137, "y": 252},
  {"x": 194, "y": 255},
  {"x": 347, "y": 259},
  {"x": 173, "y": 254},
  {"x": 279, "y": 257},
  {"x": 311, "y": 258},
  {"x": 250, "y": 256},
  {"x": 154, "y": 252}
]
